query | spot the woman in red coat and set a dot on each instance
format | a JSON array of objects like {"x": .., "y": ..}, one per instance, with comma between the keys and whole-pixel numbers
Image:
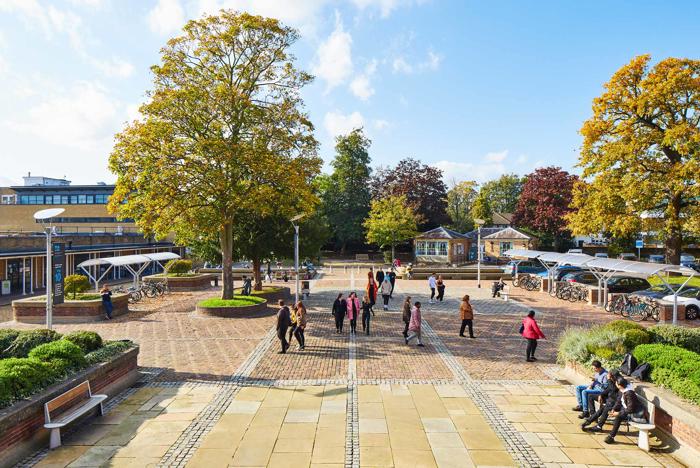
[{"x": 531, "y": 332}]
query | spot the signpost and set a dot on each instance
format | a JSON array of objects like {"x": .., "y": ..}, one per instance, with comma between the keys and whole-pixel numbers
[
  {"x": 639, "y": 243},
  {"x": 58, "y": 260}
]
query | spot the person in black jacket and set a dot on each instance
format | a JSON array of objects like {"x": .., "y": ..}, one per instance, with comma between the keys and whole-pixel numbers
[
  {"x": 380, "y": 276},
  {"x": 628, "y": 406},
  {"x": 392, "y": 279},
  {"x": 283, "y": 322},
  {"x": 339, "y": 309},
  {"x": 607, "y": 399}
]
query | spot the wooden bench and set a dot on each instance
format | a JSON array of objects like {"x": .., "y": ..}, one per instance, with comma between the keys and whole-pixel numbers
[
  {"x": 362, "y": 257},
  {"x": 68, "y": 407}
]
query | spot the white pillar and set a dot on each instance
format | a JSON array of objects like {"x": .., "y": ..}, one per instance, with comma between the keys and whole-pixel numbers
[
  {"x": 24, "y": 276},
  {"x": 49, "y": 297}
]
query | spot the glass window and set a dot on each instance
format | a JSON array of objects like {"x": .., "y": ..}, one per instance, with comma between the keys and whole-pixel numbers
[
  {"x": 442, "y": 248},
  {"x": 90, "y": 199},
  {"x": 420, "y": 248},
  {"x": 56, "y": 199},
  {"x": 431, "y": 248},
  {"x": 64, "y": 199},
  {"x": 82, "y": 199},
  {"x": 48, "y": 199},
  {"x": 73, "y": 199},
  {"x": 505, "y": 246}
]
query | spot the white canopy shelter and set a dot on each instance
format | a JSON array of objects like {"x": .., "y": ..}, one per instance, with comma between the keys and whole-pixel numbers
[
  {"x": 605, "y": 268},
  {"x": 134, "y": 264}
]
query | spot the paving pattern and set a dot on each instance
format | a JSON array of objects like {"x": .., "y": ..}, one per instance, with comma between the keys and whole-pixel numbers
[{"x": 218, "y": 394}]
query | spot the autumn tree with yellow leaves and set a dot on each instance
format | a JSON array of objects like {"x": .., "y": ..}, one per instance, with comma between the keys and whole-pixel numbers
[
  {"x": 641, "y": 154},
  {"x": 223, "y": 134}
]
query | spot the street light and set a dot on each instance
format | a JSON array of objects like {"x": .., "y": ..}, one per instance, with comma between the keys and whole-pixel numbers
[
  {"x": 44, "y": 216},
  {"x": 296, "y": 253},
  {"x": 479, "y": 223}
]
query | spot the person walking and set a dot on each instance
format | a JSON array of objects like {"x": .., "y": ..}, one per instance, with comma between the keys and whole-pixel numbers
[
  {"x": 392, "y": 279},
  {"x": 440, "y": 288},
  {"x": 371, "y": 291},
  {"x": 293, "y": 323},
  {"x": 406, "y": 315},
  {"x": 531, "y": 332},
  {"x": 268, "y": 274},
  {"x": 352, "y": 308},
  {"x": 380, "y": 276},
  {"x": 432, "y": 284},
  {"x": 339, "y": 308},
  {"x": 283, "y": 322},
  {"x": 366, "y": 314},
  {"x": 301, "y": 325},
  {"x": 467, "y": 314},
  {"x": 386, "y": 292},
  {"x": 106, "y": 294},
  {"x": 414, "y": 325}
]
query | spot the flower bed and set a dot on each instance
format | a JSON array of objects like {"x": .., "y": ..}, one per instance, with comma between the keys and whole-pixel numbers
[
  {"x": 33, "y": 310},
  {"x": 240, "y": 306},
  {"x": 189, "y": 282}
]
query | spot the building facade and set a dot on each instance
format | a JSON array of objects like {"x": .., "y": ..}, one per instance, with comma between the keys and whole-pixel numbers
[
  {"x": 441, "y": 246},
  {"x": 85, "y": 227}
]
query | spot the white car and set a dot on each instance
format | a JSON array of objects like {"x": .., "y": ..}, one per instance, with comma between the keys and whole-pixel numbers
[{"x": 689, "y": 297}]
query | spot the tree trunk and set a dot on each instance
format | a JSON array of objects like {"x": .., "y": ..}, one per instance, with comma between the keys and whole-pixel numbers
[
  {"x": 226, "y": 241},
  {"x": 674, "y": 237},
  {"x": 393, "y": 256},
  {"x": 256, "y": 274}
]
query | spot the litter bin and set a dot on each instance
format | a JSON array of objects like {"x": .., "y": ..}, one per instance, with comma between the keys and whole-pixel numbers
[{"x": 305, "y": 290}]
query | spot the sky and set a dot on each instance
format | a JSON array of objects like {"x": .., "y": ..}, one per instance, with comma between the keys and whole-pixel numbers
[{"x": 475, "y": 88}]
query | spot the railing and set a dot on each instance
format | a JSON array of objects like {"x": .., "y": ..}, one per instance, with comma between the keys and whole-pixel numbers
[{"x": 82, "y": 230}]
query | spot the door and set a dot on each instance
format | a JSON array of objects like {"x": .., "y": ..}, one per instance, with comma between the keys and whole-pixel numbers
[{"x": 13, "y": 274}]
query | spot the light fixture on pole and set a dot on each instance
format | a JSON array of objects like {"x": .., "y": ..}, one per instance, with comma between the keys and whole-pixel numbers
[
  {"x": 296, "y": 254},
  {"x": 44, "y": 216},
  {"x": 479, "y": 223}
]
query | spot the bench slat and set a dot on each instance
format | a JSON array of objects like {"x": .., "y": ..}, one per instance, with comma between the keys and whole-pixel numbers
[
  {"x": 68, "y": 398},
  {"x": 76, "y": 412}
]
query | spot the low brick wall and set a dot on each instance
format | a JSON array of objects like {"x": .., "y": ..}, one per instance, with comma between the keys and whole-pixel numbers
[
  {"x": 22, "y": 424},
  {"x": 233, "y": 312},
  {"x": 272, "y": 296},
  {"x": 184, "y": 283},
  {"x": 32, "y": 311}
]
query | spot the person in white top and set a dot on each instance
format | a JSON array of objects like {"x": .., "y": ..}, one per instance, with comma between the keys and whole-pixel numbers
[{"x": 432, "y": 283}]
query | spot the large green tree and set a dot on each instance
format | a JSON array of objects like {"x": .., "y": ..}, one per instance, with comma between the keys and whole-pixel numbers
[
  {"x": 641, "y": 154},
  {"x": 502, "y": 194},
  {"x": 391, "y": 220},
  {"x": 345, "y": 193},
  {"x": 223, "y": 132},
  {"x": 481, "y": 209},
  {"x": 460, "y": 199}
]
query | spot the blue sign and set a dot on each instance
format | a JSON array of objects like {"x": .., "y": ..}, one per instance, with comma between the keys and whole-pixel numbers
[{"x": 639, "y": 243}]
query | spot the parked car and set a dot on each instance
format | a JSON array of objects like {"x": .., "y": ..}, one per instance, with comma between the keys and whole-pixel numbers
[
  {"x": 627, "y": 256},
  {"x": 616, "y": 284},
  {"x": 601, "y": 255},
  {"x": 574, "y": 251},
  {"x": 657, "y": 259},
  {"x": 526, "y": 266},
  {"x": 656, "y": 292},
  {"x": 687, "y": 258},
  {"x": 584, "y": 277},
  {"x": 560, "y": 271},
  {"x": 691, "y": 299}
]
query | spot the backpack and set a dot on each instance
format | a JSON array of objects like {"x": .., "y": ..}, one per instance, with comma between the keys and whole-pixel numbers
[
  {"x": 642, "y": 372},
  {"x": 629, "y": 364}
]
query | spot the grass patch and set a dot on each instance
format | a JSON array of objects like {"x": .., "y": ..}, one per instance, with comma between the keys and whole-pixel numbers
[
  {"x": 237, "y": 301},
  {"x": 69, "y": 298},
  {"x": 694, "y": 281},
  {"x": 265, "y": 290}
]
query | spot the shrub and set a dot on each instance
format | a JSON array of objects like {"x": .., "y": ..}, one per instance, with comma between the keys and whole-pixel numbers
[
  {"x": 7, "y": 336},
  {"x": 63, "y": 354},
  {"x": 178, "y": 266},
  {"x": 74, "y": 284},
  {"x": 109, "y": 350},
  {"x": 28, "y": 340},
  {"x": 88, "y": 341},
  {"x": 22, "y": 377},
  {"x": 673, "y": 367},
  {"x": 573, "y": 346},
  {"x": 688, "y": 338},
  {"x": 634, "y": 338},
  {"x": 622, "y": 326}
]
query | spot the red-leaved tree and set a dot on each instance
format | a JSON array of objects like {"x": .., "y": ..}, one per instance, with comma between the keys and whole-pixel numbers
[{"x": 544, "y": 201}]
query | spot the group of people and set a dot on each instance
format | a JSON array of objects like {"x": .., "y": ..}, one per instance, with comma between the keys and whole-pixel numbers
[
  {"x": 292, "y": 321},
  {"x": 614, "y": 394},
  {"x": 436, "y": 283}
]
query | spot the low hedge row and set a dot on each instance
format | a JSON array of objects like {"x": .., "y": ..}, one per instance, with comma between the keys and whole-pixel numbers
[
  {"x": 673, "y": 367},
  {"x": 683, "y": 337}
]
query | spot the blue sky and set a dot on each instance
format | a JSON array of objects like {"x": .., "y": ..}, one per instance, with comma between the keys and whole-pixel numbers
[{"x": 476, "y": 88}]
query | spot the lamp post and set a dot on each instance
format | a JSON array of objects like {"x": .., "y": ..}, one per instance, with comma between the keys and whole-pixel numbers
[
  {"x": 296, "y": 254},
  {"x": 479, "y": 223},
  {"x": 44, "y": 216}
]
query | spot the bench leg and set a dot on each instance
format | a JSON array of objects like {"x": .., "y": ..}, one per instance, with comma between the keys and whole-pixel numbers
[
  {"x": 643, "y": 440},
  {"x": 101, "y": 411},
  {"x": 55, "y": 438}
]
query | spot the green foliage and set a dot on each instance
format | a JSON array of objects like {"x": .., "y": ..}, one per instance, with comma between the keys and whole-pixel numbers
[
  {"x": 481, "y": 209},
  {"x": 22, "y": 377},
  {"x": 502, "y": 194},
  {"x": 622, "y": 326},
  {"x": 573, "y": 346},
  {"x": 238, "y": 301},
  {"x": 460, "y": 199},
  {"x": 7, "y": 336},
  {"x": 634, "y": 338},
  {"x": 688, "y": 338},
  {"x": 61, "y": 353},
  {"x": 673, "y": 367},
  {"x": 28, "y": 340},
  {"x": 391, "y": 220},
  {"x": 584, "y": 345},
  {"x": 178, "y": 266},
  {"x": 74, "y": 284},
  {"x": 108, "y": 351},
  {"x": 87, "y": 340}
]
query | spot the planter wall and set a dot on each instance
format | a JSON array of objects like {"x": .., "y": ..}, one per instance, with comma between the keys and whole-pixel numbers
[
  {"x": 184, "y": 283},
  {"x": 678, "y": 420},
  {"x": 22, "y": 424},
  {"x": 272, "y": 296},
  {"x": 232, "y": 312},
  {"x": 32, "y": 311}
]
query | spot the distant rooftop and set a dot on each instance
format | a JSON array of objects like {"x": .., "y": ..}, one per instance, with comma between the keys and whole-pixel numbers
[{"x": 31, "y": 181}]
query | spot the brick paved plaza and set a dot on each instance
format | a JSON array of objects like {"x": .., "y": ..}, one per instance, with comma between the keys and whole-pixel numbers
[{"x": 216, "y": 393}]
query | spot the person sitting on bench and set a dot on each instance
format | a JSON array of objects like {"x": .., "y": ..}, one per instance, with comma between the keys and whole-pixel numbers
[
  {"x": 594, "y": 388},
  {"x": 629, "y": 407},
  {"x": 608, "y": 399}
]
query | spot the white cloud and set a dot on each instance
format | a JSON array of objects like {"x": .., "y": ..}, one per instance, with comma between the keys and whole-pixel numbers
[
  {"x": 166, "y": 17},
  {"x": 430, "y": 63},
  {"x": 497, "y": 157},
  {"x": 399, "y": 65},
  {"x": 337, "y": 123},
  {"x": 114, "y": 67},
  {"x": 380, "y": 124},
  {"x": 31, "y": 12},
  {"x": 385, "y": 7},
  {"x": 83, "y": 117},
  {"x": 361, "y": 86},
  {"x": 334, "y": 57},
  {"x": 490, "y": 166},
  {"x": 87, "y": 3}
]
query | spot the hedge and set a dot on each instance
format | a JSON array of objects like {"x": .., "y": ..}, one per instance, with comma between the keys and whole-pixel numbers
[
  {"x": 109, "y": 350},
  {"x": 28, "y": 340},
  {"x": 7, "y": 336},
  {"x": 673, "y": 367},
  {"x": 688, "y": 338},
  {"x": 22, "y": 377},
  {"x": 88, "y": 341},
  {"x": 621, "y": 326},
  {"x": 178, "y": 266},
  {"x": 61, "y": 353}
]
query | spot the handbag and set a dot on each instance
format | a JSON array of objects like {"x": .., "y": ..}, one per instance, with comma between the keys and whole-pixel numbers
[{"x": 522, "y": 328}]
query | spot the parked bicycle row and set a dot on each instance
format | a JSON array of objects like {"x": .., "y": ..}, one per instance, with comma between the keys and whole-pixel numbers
[{"x": 149, "y": 289}]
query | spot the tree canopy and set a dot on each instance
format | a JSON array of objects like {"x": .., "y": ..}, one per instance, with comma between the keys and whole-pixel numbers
[
  {"x": 502, "y": 194},
  {"x": 391, "y": 220},
  {"x": 223, "y": 132},
  {"x": 460, "y": 199},
  {"x": 641, "y": 154}
]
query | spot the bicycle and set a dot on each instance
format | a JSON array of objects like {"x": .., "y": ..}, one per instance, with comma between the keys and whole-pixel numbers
[{"x": 134, "y": 294}]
